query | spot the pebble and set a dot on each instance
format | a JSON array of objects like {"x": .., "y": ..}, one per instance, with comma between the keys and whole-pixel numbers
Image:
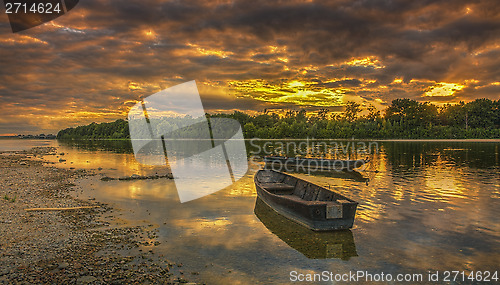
[
  {"x": 63, "y": 265},
  {"x": 52, "y": 266},
  {"x": 85, "y": 279}
]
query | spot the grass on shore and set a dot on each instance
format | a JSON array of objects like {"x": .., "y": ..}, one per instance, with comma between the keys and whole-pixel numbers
[{"x": 12, "y": 200}]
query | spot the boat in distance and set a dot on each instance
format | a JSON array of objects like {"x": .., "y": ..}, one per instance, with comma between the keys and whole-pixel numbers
[
  {"x": 317, "y": 163},
  {"x": 303, "y": 202},
  {"x": 346, "y": 175}
]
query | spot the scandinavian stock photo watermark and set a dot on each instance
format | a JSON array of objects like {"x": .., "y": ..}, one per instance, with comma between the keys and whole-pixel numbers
[
  {"x": 311, "y": 155},
  {"x": 370, "y": 276}
]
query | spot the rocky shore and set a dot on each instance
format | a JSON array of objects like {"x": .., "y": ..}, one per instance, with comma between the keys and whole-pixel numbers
[{"x": 71, "y": 246}]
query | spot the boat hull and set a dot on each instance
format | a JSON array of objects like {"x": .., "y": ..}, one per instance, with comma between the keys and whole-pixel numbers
[{"x": 312, "y": 214}]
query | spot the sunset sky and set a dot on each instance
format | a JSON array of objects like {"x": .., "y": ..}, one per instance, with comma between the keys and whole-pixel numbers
[{"x": 97, "y": 61}]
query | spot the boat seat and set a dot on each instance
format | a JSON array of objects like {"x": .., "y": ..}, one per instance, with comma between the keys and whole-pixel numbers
[
  {"x": 298, "y": 199},
  {"x": 277, "y": 187}
]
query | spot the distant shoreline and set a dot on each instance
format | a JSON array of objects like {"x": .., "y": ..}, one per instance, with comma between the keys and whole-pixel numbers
[{"x": 297, "y": 139}]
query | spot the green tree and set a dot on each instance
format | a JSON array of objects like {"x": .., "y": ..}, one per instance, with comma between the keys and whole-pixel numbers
[
  {"x": 249, "y": 130},
  {"x": 352, "y": 109}
]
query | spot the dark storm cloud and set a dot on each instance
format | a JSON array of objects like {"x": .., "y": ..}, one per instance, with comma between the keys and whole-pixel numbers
[{"x": 90, "y": 64}]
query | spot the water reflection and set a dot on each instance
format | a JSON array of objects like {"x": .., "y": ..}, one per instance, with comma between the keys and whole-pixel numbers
[
  {"x": 444, "y": 153},
  {"x": 347, "y": 175},
  {"x": 314, "y": 245},
  {"x": 117, "y": 146},
  {"x": 9, "y": 144},
  {"x": 431, "y": 206}
]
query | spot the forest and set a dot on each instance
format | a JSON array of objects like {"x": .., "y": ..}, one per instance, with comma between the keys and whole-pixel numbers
[{"x": 402, "y": 119}]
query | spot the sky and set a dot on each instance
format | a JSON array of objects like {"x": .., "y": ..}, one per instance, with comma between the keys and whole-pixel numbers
[{"x": 94, "y": 63}]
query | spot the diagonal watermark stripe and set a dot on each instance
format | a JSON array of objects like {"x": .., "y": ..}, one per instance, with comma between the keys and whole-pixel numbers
[{"x": 204, "y": 155}]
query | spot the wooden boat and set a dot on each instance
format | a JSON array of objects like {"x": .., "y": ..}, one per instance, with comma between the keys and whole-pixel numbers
[
  {"x": 303, "y": 202},
  {"x": 313, "y": 245},
  {"x": 316, "y": 163}
]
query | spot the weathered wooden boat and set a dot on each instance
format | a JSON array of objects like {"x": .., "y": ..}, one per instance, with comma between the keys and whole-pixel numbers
[
  {"x": 313, "y": 245},
  {"x": 305, "y": 203},
  {"x": 316, "y": 163}
]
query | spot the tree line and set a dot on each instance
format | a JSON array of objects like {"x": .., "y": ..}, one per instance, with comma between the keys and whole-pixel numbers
[{"x": 403, "y": 119}]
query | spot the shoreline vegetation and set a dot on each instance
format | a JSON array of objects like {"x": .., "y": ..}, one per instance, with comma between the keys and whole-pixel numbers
[{"x": 403, "y": 119}]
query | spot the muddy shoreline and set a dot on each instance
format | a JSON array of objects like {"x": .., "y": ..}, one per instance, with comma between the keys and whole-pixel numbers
[{"x": 75, "y": 246}]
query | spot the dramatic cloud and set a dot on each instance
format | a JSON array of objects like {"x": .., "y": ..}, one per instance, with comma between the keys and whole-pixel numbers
[{"x": 95, "y": 62}]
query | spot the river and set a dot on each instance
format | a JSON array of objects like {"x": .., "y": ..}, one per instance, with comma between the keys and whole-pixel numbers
[{"x": 424, "y": 206}]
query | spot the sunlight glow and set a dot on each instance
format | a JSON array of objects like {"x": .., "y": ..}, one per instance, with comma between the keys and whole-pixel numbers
[
  {"x": 211, "y": 52},
  {"x": 150, "y": 34},
  {"x": 132, "y": 86},
  {"x": 369, "y": 61},
  {"x": 22, "y": 39},
  {"x": 283, "y": 59},
  {"x": 296, "y": 92},
  {"x": 296, "y": 83},
  {"x": 443, "y": 89}
]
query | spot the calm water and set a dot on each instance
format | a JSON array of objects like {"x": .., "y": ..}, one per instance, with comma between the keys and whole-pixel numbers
[
  {"x": 431, "y": 206},
  {"x": 24, "y": 144}
]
